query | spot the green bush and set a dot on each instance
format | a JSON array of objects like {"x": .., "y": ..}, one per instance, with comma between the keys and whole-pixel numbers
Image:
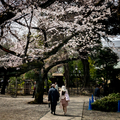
[
  {"x": 49, "y": 84},
  {"x": 108, "y": 103}
]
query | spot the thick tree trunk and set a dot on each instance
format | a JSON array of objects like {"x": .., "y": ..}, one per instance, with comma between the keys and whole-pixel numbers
[
  {"x": 66, "y": 67},
  {"x": 4, "y": 85},
  {"x": 86, "y": 72},
  {"x": 39, "y": 87},
  {"x": 3, "y": 89}
]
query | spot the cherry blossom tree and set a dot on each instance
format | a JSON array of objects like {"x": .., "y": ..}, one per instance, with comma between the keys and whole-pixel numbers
[{"x": 38, "y": 32}]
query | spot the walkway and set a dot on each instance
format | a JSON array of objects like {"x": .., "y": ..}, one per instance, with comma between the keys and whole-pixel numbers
[
  {"x": 75, "y": 110},
  {"x": 19, "y": 109}
]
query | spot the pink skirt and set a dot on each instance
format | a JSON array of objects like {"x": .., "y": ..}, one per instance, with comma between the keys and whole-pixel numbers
[{"x": 64, "y": 102}]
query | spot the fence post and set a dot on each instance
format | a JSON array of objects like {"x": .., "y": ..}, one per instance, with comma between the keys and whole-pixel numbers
[
  {"x": 92, "y": 99},
  {"x": 118, "y": 106},
  {"x": 89, "y": 107}
]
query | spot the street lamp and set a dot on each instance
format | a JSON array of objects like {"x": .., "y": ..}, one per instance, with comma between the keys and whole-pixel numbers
[
  {"x": 76, "y": 67},
  {"x": 75, "y": 74},
  {"x": 78, "y": 72}
]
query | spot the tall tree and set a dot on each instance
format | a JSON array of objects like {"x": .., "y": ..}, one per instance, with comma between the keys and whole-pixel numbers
[
  {"x": 62, "y": 25},
  {"x": 105, "y": 59}
]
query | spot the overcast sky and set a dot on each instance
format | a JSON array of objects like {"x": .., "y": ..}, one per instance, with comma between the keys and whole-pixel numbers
[{"x": 115, "y": 44}]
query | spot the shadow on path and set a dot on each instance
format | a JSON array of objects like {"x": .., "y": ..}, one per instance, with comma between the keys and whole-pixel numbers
[{"x": 67, "y": 115}]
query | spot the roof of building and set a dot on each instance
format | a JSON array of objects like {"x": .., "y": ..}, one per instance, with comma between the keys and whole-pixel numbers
[{"x": 57, "y": 74}]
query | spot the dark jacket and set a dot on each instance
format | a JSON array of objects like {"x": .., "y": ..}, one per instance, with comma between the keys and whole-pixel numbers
[
  {"x": 53, "y": 96},
  {"x": 97, "y": 92}
]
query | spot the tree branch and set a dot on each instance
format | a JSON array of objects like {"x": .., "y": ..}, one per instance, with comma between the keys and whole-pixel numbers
[
  {"x": 9, "y": 51},
  {"x": 29, "y": 33},
  {"x": 46, "y": 4},
  {"x": 59, "y": 62},
  {"x": 6, "y": 5},
  {"x": 6, "y": 16},
  {"x": 12, "y": 71},
  {"x": 99, "y": 2},
  {"x": 44, "y": 33},
  {"x": 56, "y": 49}
]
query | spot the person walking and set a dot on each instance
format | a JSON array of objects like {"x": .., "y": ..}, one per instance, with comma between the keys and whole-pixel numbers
[
  {"x": 53, "y": 97},
  {"x": 56, "y": 86},
  {"x": 64, "y": 99},
  {"x": 97, "y": 92},
  {"x": 34, "y": 89},
  {"x": 104, "y": 88}
]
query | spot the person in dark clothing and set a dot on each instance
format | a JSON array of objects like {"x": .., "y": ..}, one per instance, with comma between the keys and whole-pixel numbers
[
  {"x": 97, "y": 92},
  {"x": 53, "y": 97},
  {"x": 34, "y": 88},
  {"x": 104, "y": 87}
]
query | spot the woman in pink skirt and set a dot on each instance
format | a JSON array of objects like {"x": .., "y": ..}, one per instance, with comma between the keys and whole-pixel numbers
[{"x": 64, "y": 99}]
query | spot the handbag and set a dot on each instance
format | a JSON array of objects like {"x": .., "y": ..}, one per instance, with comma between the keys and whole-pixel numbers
[{"x": 67, "y": 97}]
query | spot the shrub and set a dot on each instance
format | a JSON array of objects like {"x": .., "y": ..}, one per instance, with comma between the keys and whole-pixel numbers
[
  {"x": 108, "y": 103},
  {"x": 49, "y": 84}
]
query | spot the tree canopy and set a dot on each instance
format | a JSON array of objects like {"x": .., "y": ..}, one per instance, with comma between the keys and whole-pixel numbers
[{"x": 40, "y": 30}]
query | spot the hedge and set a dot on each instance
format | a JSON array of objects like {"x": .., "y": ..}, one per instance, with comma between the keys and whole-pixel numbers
[{"x": 108, "y": 103}]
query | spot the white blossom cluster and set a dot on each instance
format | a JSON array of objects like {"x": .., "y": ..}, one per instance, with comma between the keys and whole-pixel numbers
[{"x": 37, "y": 33}]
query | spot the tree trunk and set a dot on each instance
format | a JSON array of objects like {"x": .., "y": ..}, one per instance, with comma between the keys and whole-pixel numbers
[
  {"x": 39, "y": 87},
  {"x": 86, "y": 72},
  {"x": 66, "y": 75},
  {"x": 4, "y": 85},
  {"x": 16, "y": 88},
  {"x": 3, "y": 88}
]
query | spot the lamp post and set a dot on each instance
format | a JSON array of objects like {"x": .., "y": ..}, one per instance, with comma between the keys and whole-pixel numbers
[{"x": 77, "y": 75}]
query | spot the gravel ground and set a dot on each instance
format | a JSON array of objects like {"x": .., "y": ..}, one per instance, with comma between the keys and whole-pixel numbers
[
  {"x": 99, "y": 115},
  {"x": 19, "y": 109}
]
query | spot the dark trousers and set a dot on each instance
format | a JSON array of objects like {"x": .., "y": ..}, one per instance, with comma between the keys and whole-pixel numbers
[
  {"x": 33, "y": 93},
  {"x": 53, "y": 107}
]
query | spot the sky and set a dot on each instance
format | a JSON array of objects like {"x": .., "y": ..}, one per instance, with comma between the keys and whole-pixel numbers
[{"x": 115, "y": 45}]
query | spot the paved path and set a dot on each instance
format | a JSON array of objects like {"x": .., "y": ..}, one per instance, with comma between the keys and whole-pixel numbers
[
  {"x": 19, "y": 109},
  {"x": 74, "y": 110}
]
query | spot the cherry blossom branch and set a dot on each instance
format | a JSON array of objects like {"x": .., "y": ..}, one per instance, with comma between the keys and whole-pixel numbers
[
  {"x": 6, "y": 5},
  {"x": 9, "y": 51},
  {"x": 29, "y": 33},
  {"x": 36, "y": 28},
  {"x": 99, "y": 2},
  {"x": 45, "y": 37},
  {"x": 12, "y": 11},
  {"x": 13, "y": 71},
  {"x": 55, "y": 49},
  {"x": 46, "y": 4},
  {"x": 14, "y": 35}
]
